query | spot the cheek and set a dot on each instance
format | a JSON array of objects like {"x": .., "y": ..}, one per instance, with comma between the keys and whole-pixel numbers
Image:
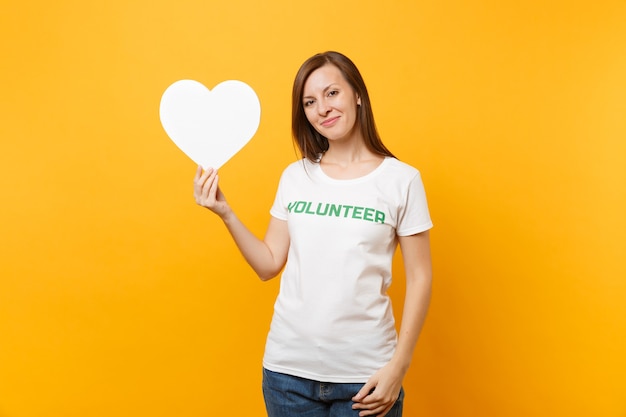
[{"x": 310, "y": 114}]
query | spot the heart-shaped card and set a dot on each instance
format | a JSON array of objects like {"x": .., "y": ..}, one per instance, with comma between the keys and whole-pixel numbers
[{"x": 210, "y": 126}]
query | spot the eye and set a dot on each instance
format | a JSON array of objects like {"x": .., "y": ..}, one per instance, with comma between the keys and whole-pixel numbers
[
  {"x": 308, "y": 103},
  {"x": 332, "y": 93}
]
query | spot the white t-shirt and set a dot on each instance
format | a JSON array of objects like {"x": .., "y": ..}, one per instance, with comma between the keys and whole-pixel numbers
[{"x": 333, "y": 320}]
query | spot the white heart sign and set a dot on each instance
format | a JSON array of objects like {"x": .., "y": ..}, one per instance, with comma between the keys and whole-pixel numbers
[{"x": 210, "y": 126}]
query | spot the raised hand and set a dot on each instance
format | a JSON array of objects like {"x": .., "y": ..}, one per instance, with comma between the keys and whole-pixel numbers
[{"x": 207, "y": 192}]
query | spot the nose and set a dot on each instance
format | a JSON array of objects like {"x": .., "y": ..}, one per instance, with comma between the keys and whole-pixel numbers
[{"x": 323, "y": 108}]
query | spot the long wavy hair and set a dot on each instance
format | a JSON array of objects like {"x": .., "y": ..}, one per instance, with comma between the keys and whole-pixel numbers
[{"x": 310, "y": 142}]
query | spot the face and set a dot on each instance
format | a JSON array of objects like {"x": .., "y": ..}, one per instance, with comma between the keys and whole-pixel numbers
[{"x": 330, "y": 104}]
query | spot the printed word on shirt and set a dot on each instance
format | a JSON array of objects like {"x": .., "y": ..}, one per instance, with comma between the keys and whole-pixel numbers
[{"x": 337, "y": 210}]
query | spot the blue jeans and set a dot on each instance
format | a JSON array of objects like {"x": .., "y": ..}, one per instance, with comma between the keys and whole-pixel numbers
[{"x": 290, "y": 396}]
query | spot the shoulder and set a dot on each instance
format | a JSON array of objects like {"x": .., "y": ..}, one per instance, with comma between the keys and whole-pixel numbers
[
  {"x": 401, "y": 169},
  {"x": 297, "y": 172},
  {"x": 296, "y": 168}
]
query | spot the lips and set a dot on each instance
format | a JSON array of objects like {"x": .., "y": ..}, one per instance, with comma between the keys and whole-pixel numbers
[{"x": 330, "y": 122}]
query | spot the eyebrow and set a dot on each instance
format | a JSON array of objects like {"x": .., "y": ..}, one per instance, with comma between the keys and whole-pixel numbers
[{"x": 328, "y": 87}]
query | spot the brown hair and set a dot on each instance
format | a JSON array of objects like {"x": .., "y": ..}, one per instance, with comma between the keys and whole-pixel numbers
[{"x": 310, "y": 142}]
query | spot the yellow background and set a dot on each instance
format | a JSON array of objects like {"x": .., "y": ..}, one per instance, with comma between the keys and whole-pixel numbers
[{"x": 120, "y": 297}]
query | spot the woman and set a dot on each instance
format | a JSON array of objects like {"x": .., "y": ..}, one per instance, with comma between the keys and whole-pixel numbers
[{"x": 338, "y": 215}]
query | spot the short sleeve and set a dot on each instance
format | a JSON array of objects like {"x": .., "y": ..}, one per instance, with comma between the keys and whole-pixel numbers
[
  {"x": 413, "y": 215},
  {"x": 279, "y": 208}
]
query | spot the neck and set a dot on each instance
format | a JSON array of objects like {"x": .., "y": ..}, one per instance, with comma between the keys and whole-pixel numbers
[
  {"x": 347, "y": 162},
  {"x": 345, "y": 153}
]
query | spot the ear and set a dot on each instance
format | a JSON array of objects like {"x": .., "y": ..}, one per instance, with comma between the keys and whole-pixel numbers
[{"x": 358, "y": 101}]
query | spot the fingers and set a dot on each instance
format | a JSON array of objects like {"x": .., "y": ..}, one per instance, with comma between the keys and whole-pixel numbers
[
  {"x": 197, "y": 183},
  {"x": 207, "y": 192},
  {"x": 386, "y": 410},
  {"x": 364, "y": 392},
  {"x": 209, "y": 178},
  {"x": 373, "y": 402},
  {"x": 205, "y": 186},
  {"x": 198, "y": 173},
  {"x": 376, "y": 408}
]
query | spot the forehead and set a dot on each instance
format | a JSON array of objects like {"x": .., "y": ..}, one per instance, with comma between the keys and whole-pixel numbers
[{"x": 323, "y": 77}]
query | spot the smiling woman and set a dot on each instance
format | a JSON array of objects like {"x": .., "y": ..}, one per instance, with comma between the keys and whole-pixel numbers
[
  {"x": 330, "y": 105},
  {"x": 333, "y": 337},
  {"x": 120, "y": 297},
  {"x": 328, "y": 87}
]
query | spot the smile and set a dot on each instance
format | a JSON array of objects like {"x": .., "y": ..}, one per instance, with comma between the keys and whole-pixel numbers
[{"x": 330, "y": 122}]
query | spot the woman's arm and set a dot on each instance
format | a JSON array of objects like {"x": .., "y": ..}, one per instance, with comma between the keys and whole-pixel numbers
[
  {"x": 266, "y": 257},
  {"x": 387, "y": 382},
  {"x": 417, "y": 264}
]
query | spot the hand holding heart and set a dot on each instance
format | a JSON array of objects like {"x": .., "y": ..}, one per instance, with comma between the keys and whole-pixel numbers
[
  {"x": 207, "y": 193},
  {"x": 210, "y": 126}
]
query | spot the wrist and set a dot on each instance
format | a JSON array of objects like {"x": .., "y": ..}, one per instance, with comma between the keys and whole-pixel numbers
[
  {"x": 228, "y": 216},
  {"x": 401, "y": 362}
]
